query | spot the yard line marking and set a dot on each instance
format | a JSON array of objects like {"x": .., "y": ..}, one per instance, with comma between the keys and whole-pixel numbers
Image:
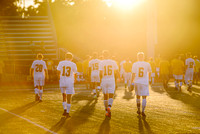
[{"x": 29, "y": 121}]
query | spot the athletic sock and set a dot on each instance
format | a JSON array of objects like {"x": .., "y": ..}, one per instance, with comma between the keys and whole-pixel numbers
[
  {"x": 175, "y": 82},
  {"x": 64, "y": 105},
  {"x": 106, "y": 103},
  {"x": 138, "y": 104},
  {"x": 68, "y": 107},
  {"x": 110, "y": 102},
  {"x": 152, "y": 81},
  {"x": 181, "y": 83},
  {"x": 94, "y": 91},
  {"x": 41, "y": 92},
  {"x": 36, "y": 91},
  {"x": 143, "y": 104}
]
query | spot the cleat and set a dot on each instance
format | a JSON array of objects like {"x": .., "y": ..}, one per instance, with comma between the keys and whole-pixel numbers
[
  {"x": 36, "y": 97},
  {"x": 109, "y": 112},
  {"x": 64, "y": 113},
  {"x": 67, "y": 115},
  {"x": 138, "y": 112},
  {"x": 40, "y": 100},
  {"x": 143, "y": 114},
  {"x": 95, "y": 96}
]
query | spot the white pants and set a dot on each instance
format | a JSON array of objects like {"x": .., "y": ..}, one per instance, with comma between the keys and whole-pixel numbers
[
  {"x": 189, "y": 75},
  {"x": 141, "y": 90},
  {"x": 39, "y": 80},
  {"x": 67, "y": 86},
  {"x": 178, "y": 77},
  {"x": 108, "y": 86},
  {"x": 95, "y": 77}
]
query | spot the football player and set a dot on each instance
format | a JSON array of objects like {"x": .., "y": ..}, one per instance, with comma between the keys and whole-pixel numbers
[
  {"x": 38, "y": 71},
  {"x": 196, "y": 70},
  {"x": 127, "y": 65},
  {"x": 94, "y": 74},
  {"x": 189, "y": 64},
  {"x": 164, "y": 72},
  {"x": 122, "y": 70},
  {"x": 67, "y": 69},
  {"x": 141, "y": 71},
  {"x": 153, "y": 67},
  {"x": 108, "y": 69},
  {"x": 86, "y": 70},
  {"x": 177, "y": 66}
]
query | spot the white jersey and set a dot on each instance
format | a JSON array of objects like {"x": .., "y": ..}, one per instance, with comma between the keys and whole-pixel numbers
[
  {"x": 94, "y": 65},
  {"x": 108, "y": 67},
  {"x": 121, "y": 66},
  {"x": 67, "y": 70},
  {"x": 190, "y": 63},
  {"x": 39, "y": 66},
  {"x": 141, "y": 70}
]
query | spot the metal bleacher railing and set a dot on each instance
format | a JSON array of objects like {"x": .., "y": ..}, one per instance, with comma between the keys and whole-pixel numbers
[{"x": 22, "y": 38}]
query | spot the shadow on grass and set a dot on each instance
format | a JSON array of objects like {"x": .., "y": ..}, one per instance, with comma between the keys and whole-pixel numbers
[
  {"x": 191, "y": 99},
  {"x": 158, "y": 89},
  {"x": 79, "y": 117},
  {"x": 104, "y": 127},
  {"x": 6, "y": 116},
  {"x": 142, "y": 125},
  {"x": 58, "y": 125},
  {"x": 128, "y": 95}
]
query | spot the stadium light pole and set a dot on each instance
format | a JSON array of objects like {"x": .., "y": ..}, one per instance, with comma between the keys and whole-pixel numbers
[{"x": 151, "y": 27}]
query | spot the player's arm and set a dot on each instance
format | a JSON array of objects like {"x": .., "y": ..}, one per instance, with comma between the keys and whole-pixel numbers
[
  {"x": 133, "y": 77},
  {"x": 31, "y": 72},
  {"x": 117, "y": 74},
  {"x": 101, "y": 75},
  {"x": 46, "y": 74}
]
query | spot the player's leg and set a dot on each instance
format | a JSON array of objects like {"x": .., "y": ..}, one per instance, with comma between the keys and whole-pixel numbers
[
  {"x": 69, "y": 96},
  {"x": 129, "y": 80},
  {"x": 36, "y": 93},
  {"x": 64, "y": 103},
  {"x": 138, "y": 104},
  {"x": 106, "y": 102},
  {"x": 40, "y": 92},
  {"x": 125, "y": 79},
  {"x": 36, "y": 85},
  {"x": 144, "y": 102},
  {"x": 93, "y": 89},
  {"x": 98, "y": 88}
]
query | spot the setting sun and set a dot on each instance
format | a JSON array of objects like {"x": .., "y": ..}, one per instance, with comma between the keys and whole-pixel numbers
[{"x": 124, "y": 4}]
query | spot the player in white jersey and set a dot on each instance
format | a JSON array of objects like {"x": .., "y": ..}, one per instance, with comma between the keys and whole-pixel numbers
[
  {"x": 94, "y": 74},
  {"x": 141, "y": 71},
  {"x": 122, "y": 71},
  {"x": 189, "y": 63},
  {"x": 108, "y": 69},
  {"x": 67, "y": 70},
  {"x": 38, "y": 71}
]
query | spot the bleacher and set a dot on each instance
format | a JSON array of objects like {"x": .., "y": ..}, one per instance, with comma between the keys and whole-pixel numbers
[{"x": 16, "y": 48}]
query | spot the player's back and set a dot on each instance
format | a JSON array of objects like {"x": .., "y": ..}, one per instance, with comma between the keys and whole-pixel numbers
[
  {"x": 127, "y": 66},
  {"x": 141, "y": 70},
  {"x": 39, "y": 66},
  {"x": 108, "y": 67},
  {"x": 177, "y": 66},
  {"x": 67, "y": 69},
  {"x": 164, "y": 67},
  {"x": 94, "y": 64},
  {"x": 190, "y": 63}
]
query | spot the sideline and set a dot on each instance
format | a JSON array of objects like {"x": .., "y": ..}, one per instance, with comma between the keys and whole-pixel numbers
[{"x": 28, "y": 121}]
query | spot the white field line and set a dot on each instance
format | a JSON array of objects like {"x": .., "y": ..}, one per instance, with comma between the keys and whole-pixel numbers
[{"x": 28, "y": 121}]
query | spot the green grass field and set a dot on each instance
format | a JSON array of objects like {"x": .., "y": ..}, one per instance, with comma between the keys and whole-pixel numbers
[{"x": 168, "y": 111}]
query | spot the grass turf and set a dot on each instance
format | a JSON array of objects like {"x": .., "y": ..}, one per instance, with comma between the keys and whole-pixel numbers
[{"x": 168, "y": 111}]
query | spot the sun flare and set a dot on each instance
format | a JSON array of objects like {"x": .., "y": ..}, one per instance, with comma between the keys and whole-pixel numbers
[{"x": 124, "y": 4}]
